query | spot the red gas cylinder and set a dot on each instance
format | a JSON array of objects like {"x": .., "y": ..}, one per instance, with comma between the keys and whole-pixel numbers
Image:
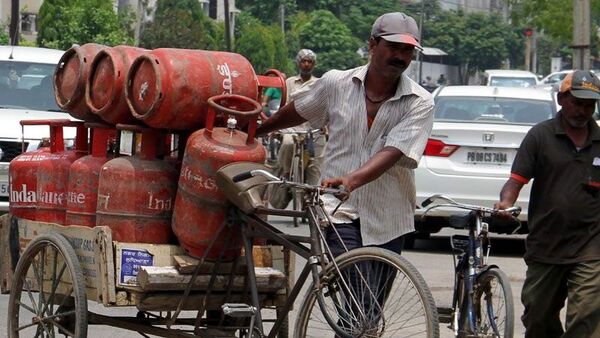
[
  {"x": 169, "y": 88},
  {"x": 53, "y": 173},
  {"x": 70, "y": 79},
  {"x": 82, "y": 192},
  {"x": 105, "y": 91},
  {"x": 136, "y": 193},
  {"x": 23, "y": 173},
  {"x": 200, "y": 208}
]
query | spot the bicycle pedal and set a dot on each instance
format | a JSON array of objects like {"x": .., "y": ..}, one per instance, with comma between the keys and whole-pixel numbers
[
  {"x": 445, "y": 314},
  {"x": 238, "y": 310}
]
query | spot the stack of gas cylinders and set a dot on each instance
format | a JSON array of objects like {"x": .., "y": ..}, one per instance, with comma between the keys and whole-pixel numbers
[{"x": 149, "y": 189}]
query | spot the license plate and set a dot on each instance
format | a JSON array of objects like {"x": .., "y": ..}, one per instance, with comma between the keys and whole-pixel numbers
[
  {"x": 4, "y": 189},
  {"x": 487, "y": 157}
]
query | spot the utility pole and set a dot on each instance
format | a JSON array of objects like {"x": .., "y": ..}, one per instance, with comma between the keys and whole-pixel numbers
[
  {"x": 528, "y": 32},
  {"x": 534, "y": 52},
  {"x": 227, "y": 26},
  {"x": 282, "y": 17},
  {"x": 420, "y": 54},
  {"x": 528, "y": 53},
  {"x": 14, "y": 23},
  {"x": 581, "y": 34}
]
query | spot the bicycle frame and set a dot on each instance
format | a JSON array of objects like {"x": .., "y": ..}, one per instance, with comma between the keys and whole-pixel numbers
[
  {"x": 471, "y": 264},
  {"x": 253, "y": 226}
]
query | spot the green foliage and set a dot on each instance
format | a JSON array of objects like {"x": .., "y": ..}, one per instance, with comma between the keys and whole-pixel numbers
[
  {"x": 4, "y": 38},
  {"x": 476, "y": 41},
  {"x": 332, "y": 41},
  {"x": 281, "y": 60},
  {"x": 359, "y": 16},
  {"x": 555, "y": 17},
  {"x": 67, "y": 22},
  {"x": 181, "y": 24},
  {"x": 267, "y": 11},
  {"x": 553, "y": 21},
  {"x": 292, "y": 38},
  {"x": 264, "y": 46}
]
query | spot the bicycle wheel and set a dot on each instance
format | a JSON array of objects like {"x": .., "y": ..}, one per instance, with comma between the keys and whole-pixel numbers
[
  {"x": 372, "y": 293},
  {"x": 295, "y": 176},
  {"x": 494, "y": 304},
  {"x": 47, "y": 295}
]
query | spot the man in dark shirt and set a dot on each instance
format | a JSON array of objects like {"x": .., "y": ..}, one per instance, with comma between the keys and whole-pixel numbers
[{"x": 562, "y": 155}]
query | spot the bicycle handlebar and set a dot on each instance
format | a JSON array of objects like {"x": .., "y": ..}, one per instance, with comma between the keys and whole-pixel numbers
[
  {"x": 340, "y": 193},
  {"x": 287, "y": 131},
  {"x": 514, "y": 211},
  {"x": 248, "y": 174}
]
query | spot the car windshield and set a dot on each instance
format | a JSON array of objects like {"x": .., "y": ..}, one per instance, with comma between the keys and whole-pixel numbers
[
  {"x": 505, "y": 81},
  {"x": 492, "y": 109},
  {"x": 25, "y": 85}
]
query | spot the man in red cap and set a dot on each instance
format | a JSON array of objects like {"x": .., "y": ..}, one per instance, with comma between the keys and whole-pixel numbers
[
  {"x": 379, "y": 121},
  {"x": 562, "y": 155}
]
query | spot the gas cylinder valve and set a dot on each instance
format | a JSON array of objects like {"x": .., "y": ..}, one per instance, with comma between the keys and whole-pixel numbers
[{"x": 231, "y": 123}]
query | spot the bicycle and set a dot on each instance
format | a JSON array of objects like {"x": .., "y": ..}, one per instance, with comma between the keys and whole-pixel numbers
[
  {"x": 482, "y": 301},
  {"x": 304, "y": 149},
  {"x": 342, "y": 296}
]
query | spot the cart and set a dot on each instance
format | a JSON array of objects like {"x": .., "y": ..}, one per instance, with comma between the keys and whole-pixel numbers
[{"x": 62, "y": 267}]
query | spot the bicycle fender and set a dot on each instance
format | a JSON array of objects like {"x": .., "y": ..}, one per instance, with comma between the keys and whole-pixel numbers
[{"x": 488, "y": 267}]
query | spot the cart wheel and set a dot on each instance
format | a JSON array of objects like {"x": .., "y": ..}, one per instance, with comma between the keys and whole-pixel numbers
[{"x": 47, "y": 296}]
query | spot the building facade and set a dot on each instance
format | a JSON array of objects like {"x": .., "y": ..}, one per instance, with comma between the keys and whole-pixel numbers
[{"x": 29, "y": 10}]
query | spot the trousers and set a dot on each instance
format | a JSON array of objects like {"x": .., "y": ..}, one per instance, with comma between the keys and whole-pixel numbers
[
  {"x": 545, "y": 290},
  {"x": 379, "y": 277}
]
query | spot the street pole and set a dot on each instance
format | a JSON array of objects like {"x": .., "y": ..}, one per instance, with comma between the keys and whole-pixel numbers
[
  {"x": 420, "y": 54},
  {"x": 282, "y": 17},
  {"x": 227, "y": 26},
  {"x": 534, "y": 65},
  {"x": 581, "y": 34},
  {"x": 14, "y": 23},
  {"x": 528, "y": 53}
]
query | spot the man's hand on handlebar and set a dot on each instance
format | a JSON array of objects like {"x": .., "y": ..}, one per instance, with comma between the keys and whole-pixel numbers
[
  {"x": 502, "y": 212},
  {"x": 342, "y": 183}
]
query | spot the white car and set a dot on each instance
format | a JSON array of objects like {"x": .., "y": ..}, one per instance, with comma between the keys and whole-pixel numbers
[
  {"x": 26, "y": 92},
  {"x": 475, "y": 136},
  {"x": 556, "y": 76},
  {"x": 509, "y": 78}
]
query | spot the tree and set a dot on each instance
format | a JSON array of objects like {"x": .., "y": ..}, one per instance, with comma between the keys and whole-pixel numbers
[
  {"x": 3, "y": 35},
  {"x": 181, "y": 24},
  {"x": 333, "y": 42},
  {"x": 553, "y": 20},
  {"x": 267, "y": 11},
  {"x": 476, "y": 41},
  {"x": 67, "y": 22},
  {"x": 264, "y": 46}
]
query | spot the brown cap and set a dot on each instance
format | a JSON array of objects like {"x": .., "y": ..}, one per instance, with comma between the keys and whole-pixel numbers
[
  {"x": 397, "y": 27},
  {"x": 582, "y": 84}
]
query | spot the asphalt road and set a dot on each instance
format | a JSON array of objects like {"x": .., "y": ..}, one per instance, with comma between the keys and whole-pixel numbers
[{"x": 431, "y": 257}]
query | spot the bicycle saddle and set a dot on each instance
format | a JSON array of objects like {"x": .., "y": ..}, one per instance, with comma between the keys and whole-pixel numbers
[{"x": 247, "y": 200}]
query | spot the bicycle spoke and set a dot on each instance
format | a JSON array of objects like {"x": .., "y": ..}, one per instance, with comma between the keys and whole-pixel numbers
[{"x": 375, "y": 299}]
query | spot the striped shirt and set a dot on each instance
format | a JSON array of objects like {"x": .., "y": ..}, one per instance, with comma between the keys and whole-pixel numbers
[
  {"x": 386, "y": 205},
  {"x": 295, "y": 85}
]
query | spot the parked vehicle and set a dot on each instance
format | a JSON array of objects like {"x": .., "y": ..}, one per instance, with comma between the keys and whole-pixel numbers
[
  {"x": 509, "y": 78},
  {"x": 475, "y": 136},
  {"x": 556, "y": 76},
  {"x": 26, "y": 92}
]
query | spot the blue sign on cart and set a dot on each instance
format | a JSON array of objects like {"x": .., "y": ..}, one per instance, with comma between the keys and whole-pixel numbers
[{"x": 131, "y": 261}]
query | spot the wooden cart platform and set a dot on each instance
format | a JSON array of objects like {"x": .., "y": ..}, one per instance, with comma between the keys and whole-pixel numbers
[{"x": 150, "y": 277}]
